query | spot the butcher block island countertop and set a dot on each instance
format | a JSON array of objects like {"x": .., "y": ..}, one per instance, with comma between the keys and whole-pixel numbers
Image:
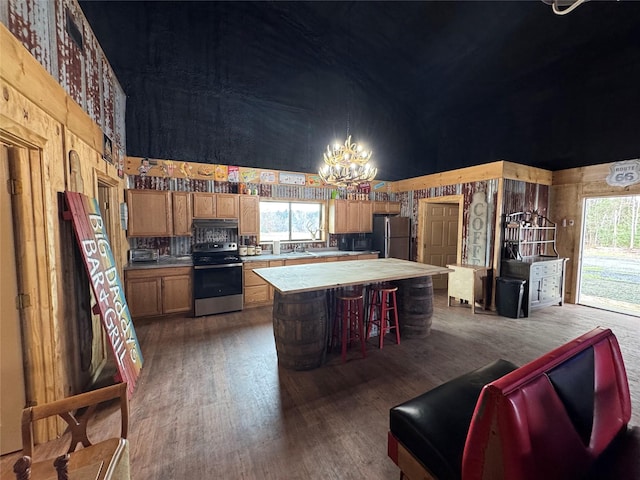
[{"x": 322, "y": 276}]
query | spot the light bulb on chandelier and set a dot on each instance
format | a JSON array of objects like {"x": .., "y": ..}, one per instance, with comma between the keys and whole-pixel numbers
[{"x": 347, "y": 165}]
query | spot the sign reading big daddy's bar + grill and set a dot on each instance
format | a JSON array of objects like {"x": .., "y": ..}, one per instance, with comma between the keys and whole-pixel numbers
[{"x": 105, "y": 282}]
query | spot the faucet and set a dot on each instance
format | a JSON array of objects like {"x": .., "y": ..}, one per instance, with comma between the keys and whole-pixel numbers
[{"x": 298, "y": 248}]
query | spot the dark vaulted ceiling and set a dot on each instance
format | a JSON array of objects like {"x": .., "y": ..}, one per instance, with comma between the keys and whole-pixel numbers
[{"x": 428, "y": 86}]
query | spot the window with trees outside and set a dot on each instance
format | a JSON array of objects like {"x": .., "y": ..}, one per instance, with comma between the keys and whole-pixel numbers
[{"x": 290, "y": 221}]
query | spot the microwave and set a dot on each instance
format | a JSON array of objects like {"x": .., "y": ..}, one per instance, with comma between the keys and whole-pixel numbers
[{"x": 355, "y": 243}]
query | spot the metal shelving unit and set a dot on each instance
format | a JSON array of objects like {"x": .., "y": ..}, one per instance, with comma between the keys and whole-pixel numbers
[{"x": 527, "y": 235}]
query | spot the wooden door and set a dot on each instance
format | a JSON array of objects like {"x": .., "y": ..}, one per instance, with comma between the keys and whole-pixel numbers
[
  {"x": 12, "y": 372},
  {"x": 440, "y": 238}
]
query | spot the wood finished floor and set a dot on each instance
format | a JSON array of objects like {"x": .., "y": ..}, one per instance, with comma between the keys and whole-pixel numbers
[{"x": 212, "y": 403}]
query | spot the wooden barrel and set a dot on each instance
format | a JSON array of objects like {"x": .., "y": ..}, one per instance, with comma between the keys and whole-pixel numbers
[
  {"x": 415, "y": 305},
  {"x": 300, "y": 329}
]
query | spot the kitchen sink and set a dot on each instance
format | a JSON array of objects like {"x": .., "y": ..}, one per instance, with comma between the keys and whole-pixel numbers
[{"x": 299, "y": 254}]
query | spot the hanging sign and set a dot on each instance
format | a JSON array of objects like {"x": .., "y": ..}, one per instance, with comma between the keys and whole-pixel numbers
[
  {"x": 624, "y": 173},
  {"x": 477, "y": 244},
  {"x": 287, "y": 178},
  {"x": 106, "y": 285}
]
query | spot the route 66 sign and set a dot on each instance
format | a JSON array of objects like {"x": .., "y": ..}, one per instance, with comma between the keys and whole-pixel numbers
[{"x": 624, "y": 173}]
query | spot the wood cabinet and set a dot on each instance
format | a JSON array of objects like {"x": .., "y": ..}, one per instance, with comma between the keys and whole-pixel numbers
[
  {"x": 204, "y": 205},
  {"x": 468, "y": 282},
  {"x": 152, "y": 292},
  {"x": 304, "y": 261},
  {"x": 215, "y": 205},
  {"x": 150, "y": 213},
  {"x": 365, "y": 216},
  {"x": 159, "y": 213},
  {"x": 386, "y": 208},
  {"x": 257, "y": 291},
  {"x": 273, "y": 263},
  {"x": 249, "y": 223},
  {"x": 350, "y": 216},
  {"x": 182, "y": 214},
  {"x": 227, "y": 205}
]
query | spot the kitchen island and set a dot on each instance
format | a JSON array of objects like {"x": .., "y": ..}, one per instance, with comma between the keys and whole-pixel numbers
[{"x": 300, "y": 315}]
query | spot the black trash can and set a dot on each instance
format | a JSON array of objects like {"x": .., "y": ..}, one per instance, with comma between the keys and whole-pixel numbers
[{"x": 509, "y": 293}]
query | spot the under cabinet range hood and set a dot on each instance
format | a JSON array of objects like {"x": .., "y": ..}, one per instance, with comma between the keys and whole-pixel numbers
[{"x": 228, "y": 223}]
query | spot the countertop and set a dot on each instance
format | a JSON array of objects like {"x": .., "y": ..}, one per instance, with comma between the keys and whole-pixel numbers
[
  {"x": 163, "y": 262},
  {"x": 185, "y": 260},
  {"x": 321, "y": 276},
  {"x": 310, "y": 254}
]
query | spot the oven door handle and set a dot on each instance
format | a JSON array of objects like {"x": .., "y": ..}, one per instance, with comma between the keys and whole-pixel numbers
[{"x": 208, "y": 267}]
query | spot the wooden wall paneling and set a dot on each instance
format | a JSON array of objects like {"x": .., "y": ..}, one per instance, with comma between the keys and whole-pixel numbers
[
  {"x": 542, "y": 200},
  {"x": 37, "y": 113},
  {"x": 21, "y": 70},
  {"x": 497, "y": 236},
  {"x": 524, "y": 173},
  {"x": 566, "y": 201},
  {"x": 462, "y": 175}
]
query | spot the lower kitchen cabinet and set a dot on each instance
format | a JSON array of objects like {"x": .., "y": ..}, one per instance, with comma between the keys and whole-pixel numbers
[
  {"x": 256, "y": 290},
  {"x": 153, "y": 292},
  {"x": 368, "y": 256}
]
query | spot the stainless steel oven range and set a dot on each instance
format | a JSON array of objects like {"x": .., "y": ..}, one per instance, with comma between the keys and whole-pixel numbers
[{"x": 217, "y": 278}]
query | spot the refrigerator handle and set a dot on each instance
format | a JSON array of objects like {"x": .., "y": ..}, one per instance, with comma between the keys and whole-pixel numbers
[{"x": 387, "y": 237}]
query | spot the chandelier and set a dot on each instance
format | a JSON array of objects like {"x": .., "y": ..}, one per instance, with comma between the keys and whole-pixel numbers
[
  {"x": 347, "y": 165},
  {"x": 562, "y": 7}
]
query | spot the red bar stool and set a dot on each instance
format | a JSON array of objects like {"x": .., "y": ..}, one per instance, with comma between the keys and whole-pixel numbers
[
  {"x": 349, "y": 322},
  {"x": 382, "y": 303}
]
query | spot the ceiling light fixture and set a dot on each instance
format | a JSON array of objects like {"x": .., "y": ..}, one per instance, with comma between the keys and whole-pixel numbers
[
  {"x": 347, "y": 165},
  {"x": 562, "y": 7}
]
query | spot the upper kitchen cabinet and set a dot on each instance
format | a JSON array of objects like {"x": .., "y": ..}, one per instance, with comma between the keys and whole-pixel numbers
[
  {"x": 364, "y": 217},
  {"x": 182, "y": 214},
  {"x": 350, "y": 216},
  {"x": 215, "y": 205},
  {"x": 227, "y": 205},
  {"x": 204, "y": 205},
  {"x": 338, "y": 216},
  {"x": 249, "y": 215},
  {"x": 386, "y": 208},
  {"x": 150, "y": 213}
]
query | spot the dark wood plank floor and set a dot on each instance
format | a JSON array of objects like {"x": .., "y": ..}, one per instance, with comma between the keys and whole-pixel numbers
[{"x": 212, "y": 403}]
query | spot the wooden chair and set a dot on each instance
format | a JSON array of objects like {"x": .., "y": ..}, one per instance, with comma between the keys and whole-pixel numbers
[{"x": 106, "y": 460}]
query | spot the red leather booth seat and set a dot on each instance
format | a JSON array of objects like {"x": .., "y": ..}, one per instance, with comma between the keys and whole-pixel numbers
[{"x": 549, "y": 419}]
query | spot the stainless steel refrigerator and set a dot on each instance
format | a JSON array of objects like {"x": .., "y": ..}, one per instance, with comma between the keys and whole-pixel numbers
[{"x": 391, "y": 236}]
